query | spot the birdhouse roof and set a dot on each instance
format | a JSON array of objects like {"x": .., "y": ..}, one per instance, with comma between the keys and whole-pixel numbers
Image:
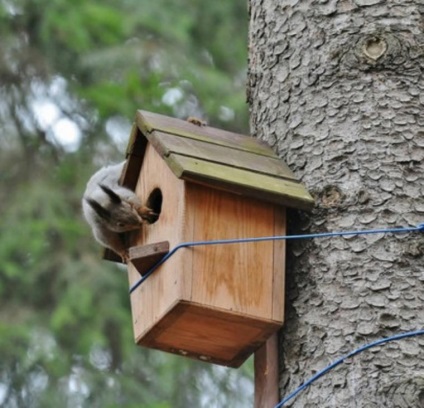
[{"x": 217, "y": 158}]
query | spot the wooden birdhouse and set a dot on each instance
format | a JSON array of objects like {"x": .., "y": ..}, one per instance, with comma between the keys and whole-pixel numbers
[{"x": 215, "y": 303}]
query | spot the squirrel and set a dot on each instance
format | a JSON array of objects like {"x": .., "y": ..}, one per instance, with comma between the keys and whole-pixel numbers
[{"x": 111, "y": 209}]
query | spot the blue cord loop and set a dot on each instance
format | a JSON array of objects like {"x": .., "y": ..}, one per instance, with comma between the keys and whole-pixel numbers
[
  {"x": 342, "y": 359},
  {"x": 419, "y": 227}
]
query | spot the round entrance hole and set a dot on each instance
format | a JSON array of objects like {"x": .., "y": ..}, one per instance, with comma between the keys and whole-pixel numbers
[{"x": 154, "y": 202}]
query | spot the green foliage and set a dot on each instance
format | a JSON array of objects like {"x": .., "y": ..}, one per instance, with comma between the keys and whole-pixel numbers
[{"x": 65, "y": 329}]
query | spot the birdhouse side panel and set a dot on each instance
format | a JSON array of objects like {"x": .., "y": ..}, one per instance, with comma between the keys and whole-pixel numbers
[
  {"x": 237, "y": 277},
  {"x": 170, "y": 282},
  {"x": 279, "y": 269}
]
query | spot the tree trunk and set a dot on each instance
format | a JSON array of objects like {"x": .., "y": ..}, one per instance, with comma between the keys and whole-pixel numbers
[{"x": 336, "y": 87}]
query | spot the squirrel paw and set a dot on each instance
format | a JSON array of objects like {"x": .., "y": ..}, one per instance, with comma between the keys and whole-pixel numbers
[
  {"x": 125, "y": 256},
  {"x": 196, "y": 121},
  {"x": 147, "y": 214}
]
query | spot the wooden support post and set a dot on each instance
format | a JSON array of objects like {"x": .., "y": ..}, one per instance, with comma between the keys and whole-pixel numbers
[{"x": 266, "y": 374}]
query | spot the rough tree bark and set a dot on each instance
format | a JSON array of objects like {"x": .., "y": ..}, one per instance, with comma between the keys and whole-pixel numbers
[{"x": 337, "y": 88}]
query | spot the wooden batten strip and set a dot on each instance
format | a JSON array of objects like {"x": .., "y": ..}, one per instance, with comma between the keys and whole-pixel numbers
[
  {"x": 135, "y": 154},
  {"x": 146, "y": 256},
  {"x": 263, "y": 187},
  {"x": 149, "y": 122},
  {"x": 167, "y": 144}
]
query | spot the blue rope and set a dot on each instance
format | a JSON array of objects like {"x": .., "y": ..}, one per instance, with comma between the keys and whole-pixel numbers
[
  {"x": 342, "y": 359},
  {"x": 419, "y": 227}
]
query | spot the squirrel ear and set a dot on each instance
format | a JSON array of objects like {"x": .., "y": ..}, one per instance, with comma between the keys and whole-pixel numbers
[
  {"x": 112, "y": 195},
  {"x": 98, "y": 209}
]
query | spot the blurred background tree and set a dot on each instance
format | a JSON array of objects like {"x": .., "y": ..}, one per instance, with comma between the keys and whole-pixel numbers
[{"x": 72, "y": 74}]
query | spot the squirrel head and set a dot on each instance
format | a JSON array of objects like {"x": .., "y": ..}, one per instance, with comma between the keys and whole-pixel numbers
[{"x": 118, "y": 215}]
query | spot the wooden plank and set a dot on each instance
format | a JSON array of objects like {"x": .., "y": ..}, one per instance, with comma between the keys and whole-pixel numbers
[
  {"x": 169, "y": 283},
  {"x": 208, "y": 334},
  {"x": 237, "y": 278},
  {"x": 146, "y": 256},
  {"x": 133, "y": 135},
  {"x": 149, "y": 122},
  {"x": 273, "y": 189},
  {"x": 135, "y": 154},
  {"x": 266, "y": 374},
  {"x": 167, "y": 144},
  {"x": 279, "y": 264}
]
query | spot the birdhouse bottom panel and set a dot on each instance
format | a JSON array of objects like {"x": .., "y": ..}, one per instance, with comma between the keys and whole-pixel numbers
[{"x": 208, "y": 334}]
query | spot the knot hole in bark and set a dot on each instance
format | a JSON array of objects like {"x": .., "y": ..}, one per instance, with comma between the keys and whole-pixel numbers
[
  {"x": 374, "y": 48},
  {"x": 331, "y": 196}
]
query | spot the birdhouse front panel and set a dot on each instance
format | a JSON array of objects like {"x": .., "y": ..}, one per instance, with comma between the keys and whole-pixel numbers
[{"x": 216, "y": 303}]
